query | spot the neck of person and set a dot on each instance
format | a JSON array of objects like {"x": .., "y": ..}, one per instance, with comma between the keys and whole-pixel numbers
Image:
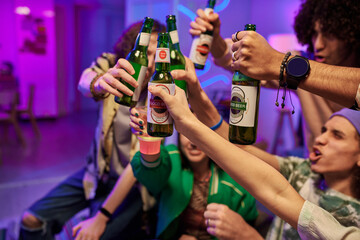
[
  {"x": 340, "y": 183},
  {"x": 201, "y": 169}
]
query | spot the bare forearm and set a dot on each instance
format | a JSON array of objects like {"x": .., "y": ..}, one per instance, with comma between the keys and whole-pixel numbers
[
  {"x": 203, "y": 107},
  {"x": 123, "y": 186},
  {"x": 207, "y": 113},
  {"x": 260, "y": 179},
  {"x": 221, "y": 47},
  {"x": 338, "y": 84}
]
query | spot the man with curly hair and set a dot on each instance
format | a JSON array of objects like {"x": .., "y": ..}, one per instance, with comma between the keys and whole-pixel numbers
[{"x": 331, "y": 31}]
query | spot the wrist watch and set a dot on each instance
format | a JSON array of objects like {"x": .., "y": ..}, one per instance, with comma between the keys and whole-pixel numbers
[{"x": 297, "y": 69}]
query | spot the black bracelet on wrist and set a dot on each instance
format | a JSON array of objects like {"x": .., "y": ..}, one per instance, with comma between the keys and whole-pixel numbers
[
  {"x": 283, "y": 83},
  {"x": 105, "y": 212}
]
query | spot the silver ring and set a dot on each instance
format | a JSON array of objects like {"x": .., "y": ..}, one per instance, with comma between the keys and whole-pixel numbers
[
  {"x": 235, "y": 37},
  {"x": 207, "y": 222},
  {"x": 233, "y": 56}
]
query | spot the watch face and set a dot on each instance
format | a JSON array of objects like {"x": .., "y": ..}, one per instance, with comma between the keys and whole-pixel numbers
[{"x": 297, "y": 67}]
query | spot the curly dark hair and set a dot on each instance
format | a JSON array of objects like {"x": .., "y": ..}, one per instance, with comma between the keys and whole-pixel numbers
[
  {"x": 337, "y": 18},
  {"x": 127, "y": 40}
]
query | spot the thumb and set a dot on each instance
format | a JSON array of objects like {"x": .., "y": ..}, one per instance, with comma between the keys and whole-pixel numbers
[
  {"x": 178, "y": 74},
  {"x": 159, "y": 92}
]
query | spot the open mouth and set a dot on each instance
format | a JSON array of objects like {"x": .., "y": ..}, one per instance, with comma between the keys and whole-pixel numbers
[
  {"x": 320, "y": 58},
  {"x": 315, "y": 155}
]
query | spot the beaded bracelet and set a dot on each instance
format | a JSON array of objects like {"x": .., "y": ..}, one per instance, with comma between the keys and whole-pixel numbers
[
  {"x": 282, "y": 66},
  {"x": 283, "y": 84},
  {"x": 92, "y": 90},
  {"x": 216, "y": 126}
]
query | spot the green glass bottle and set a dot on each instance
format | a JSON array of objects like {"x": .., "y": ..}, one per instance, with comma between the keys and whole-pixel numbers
[
  {"x": 159, "y": 120},
  {"x": 244, "y": 106},
  {"x": 139, "y": 60},
  {"x": 177, "y": 59},
  {"x": 201, "y": 45}
]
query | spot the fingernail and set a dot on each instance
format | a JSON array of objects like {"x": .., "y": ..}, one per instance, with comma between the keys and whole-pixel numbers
[
  {"x": 141, "y": 122},
  {"x": 141, "y": 127},
  {"x": 136, "y": 115}
]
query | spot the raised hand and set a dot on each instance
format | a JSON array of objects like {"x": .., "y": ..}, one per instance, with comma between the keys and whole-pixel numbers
[
  {"x": 108, "y": 83},
  {"x": 205, "y": 23},
  {"x": 254, "y": 57}
]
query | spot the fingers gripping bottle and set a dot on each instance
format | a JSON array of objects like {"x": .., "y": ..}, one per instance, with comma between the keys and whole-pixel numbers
[
  {"x": 201, "y": 45},
  {"x": 139, "y": 60},
  {"x": 177, "y": 59},
  {"x": 244, "y": 106},
  {"x": 159, "y": 120}
]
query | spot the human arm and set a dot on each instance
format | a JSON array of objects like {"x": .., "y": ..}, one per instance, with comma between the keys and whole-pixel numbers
[
  {"x": 102, "y": 76},
  {"x": 226, "y": 224},
  {"x": 220, "y": 48},
  {"x": 260, "y": 179},
  {"x": 207, "y": 113},
  {"x": 150, "y": 172},
  {"x": 257, "y": 59},
  {"x": 94, "y": 227}
]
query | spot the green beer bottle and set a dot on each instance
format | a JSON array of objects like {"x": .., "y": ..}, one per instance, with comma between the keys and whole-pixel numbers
[
  {"x": 139, "y": 60},
  {"x": 159, "y": 120},
  {"x": 201, "y": 45},
  {"x": 244, "y": 106},
  {"x": 177, "y": 59}
]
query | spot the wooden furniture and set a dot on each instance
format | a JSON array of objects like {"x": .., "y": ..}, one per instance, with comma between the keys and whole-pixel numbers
[
  {"x": 29, "y": 110},
  {"x": 8, "y": 108}
]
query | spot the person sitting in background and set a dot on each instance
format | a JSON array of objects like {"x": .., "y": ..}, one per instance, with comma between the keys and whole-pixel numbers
[
  {"x": 329, "y": 178},
  {"x": 110, "y": 152},
  {"x": 227, "y": 216},
  {"x": 187, "y": 183}
]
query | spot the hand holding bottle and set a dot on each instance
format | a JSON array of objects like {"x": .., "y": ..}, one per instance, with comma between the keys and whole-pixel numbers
[
  {"x": 254, "y": 57},
  {"x": 138, "y": 119},
  {"x": 188, "y": 75},
  {"x": 203, "y": 23},
  {"x": 108, "y": 83}
]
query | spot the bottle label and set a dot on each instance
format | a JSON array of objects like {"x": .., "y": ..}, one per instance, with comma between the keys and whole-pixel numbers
[
  {"x": 140, "y": 72},
  {"x": 243, "y": 106},
  {"x": 162, "y": 55},
  {"x": 200, "y": 48},
  {"x": 144, "y": 39},
  {"x": 157, "y": 110},
  {"x": 174, "y": 36}
]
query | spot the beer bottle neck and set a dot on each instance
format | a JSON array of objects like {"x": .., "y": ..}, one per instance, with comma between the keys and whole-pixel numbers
[
  {"x": 162, "y": 67},
  {"x": 142, "y": 41},
  {"x": 162, "y": 58}
]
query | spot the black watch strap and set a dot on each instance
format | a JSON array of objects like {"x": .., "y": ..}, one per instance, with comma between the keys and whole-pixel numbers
[{"x": 292, "y": 82}]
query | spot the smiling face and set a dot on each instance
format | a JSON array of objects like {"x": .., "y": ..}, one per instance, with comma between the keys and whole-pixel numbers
[
  {"x": 337, "y": 149},
  {"x": 191, "y": 152},
  {"x": 331, "y": 50}
]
